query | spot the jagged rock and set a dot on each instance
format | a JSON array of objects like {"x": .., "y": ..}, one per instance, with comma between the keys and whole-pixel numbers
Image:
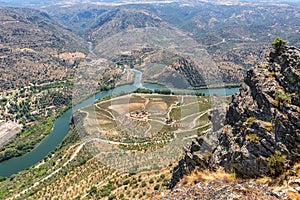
[
  {"x": 262, "y": 120},
  {"x": 217, "y": 116},
  {"x": 217, "y": 189}
]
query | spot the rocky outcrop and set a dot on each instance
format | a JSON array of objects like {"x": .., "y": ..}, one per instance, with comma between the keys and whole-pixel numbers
[
  {"x": 261, "y": 135},
  {"x": 217, "y": 189}
]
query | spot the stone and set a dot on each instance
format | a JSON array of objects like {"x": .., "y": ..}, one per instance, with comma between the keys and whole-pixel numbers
[{"x": 262, "y": 119}]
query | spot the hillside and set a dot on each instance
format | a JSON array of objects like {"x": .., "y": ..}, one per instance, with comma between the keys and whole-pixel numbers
[
  {"x": 236, "y": 35},
  {"x": 261, "y": 130},
  {"x": 118, "y": 20},
  {"x": 34, "y": 49},
  {"x": 247, "y": 149}
]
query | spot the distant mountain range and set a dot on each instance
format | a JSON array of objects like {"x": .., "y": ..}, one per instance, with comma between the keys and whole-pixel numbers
[
  {"x": 236, "y": 36},
  {"x": 37, "y": 3},
  {"x": 31, "y": 47}
]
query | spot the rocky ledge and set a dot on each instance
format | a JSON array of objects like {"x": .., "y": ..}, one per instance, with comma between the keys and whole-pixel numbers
[
  {"x": 217, "y": 189},
  {"x": 261, "y": 132}
]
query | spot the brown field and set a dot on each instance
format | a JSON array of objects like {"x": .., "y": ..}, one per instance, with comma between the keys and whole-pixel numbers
[
  {"x": 119, "y": 118},
  {"x": 72, "y": 56}
]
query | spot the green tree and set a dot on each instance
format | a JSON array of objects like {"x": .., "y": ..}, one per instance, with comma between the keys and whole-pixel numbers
[
  {"x": 278, "y": 44},
  {"x": 92, "y": 191}
]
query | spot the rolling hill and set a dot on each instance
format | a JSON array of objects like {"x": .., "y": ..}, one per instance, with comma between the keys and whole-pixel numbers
[{"x": 34, "y": 48}]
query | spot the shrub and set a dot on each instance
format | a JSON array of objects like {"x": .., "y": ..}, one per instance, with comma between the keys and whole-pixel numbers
[
  {"x": 151, "y": 181},
  {"x": 139, "y": 179},
  {"x": 2, "y": 178},
  {"x": 165, "y": 182},
  {"x": 126, "y": 182},
  {"x": 277, "y": 163},
  {"x": 279, "y": 44},
  {"x": 162, "y": 176},
  {"x": 92, "y": 191},
  {"x": 143, "y": 184},
  {"x": 269, "y": 126},
  {"x": 253, "y": 137},
  {"x": 106, "y": 190},
  {"x": 283, "y": 97},
  {"x": 251, "y": 119},
  {"x": 156, "y": 187},
  {"x": 111, "y": 197}
]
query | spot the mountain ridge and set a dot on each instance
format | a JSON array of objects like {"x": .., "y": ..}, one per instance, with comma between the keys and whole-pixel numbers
[
  {"x": 260, "y": 133},
  {"x": 31, "y": 45}
]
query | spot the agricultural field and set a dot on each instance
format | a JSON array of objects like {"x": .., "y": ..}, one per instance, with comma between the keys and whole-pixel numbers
[
  {"x": 145, "y": 127},
  {"x": 145, "y": 122}
]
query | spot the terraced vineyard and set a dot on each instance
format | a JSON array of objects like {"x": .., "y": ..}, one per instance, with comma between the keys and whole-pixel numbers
[
  {"x": 146, "y": 122},
  {"x": 149, "y": 128}
]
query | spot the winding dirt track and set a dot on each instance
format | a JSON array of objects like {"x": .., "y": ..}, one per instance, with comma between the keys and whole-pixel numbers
[{"x": 73, "y": 156}]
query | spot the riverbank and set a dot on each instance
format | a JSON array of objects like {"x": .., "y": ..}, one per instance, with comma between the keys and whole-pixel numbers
[{"x": 61, "y": 125}]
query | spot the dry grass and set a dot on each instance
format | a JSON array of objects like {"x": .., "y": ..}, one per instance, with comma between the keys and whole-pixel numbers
[
  {"x": 281, "y": 182},
  {"x": 72, "y": 56},
  {"x": 206, "y": 175},
  {"x": 293, "y": 196}
]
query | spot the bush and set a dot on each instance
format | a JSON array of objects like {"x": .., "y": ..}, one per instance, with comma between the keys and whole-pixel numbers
[
  {"x": 111, "y": 197},
  {"x": 269, "y": 126},
  {"x": 283, "y": 97},
  {"x": 251, "y": 119},
  {"x": 279, "y": 44},
  {"x": 2, "y": 178},
  {"x": 277, "y": 163},
  {"x": 126, "y": 182},
  {"x": 156, "y": 187},
  {"x": 165, "y": 182},
  {"x": 143, "y": 184},
  {"x": 92, "y": 191},
  {"x": 253, "y": 137},
  {"x": 162, "y": 176},
  {"x": 106, "y": 190}
]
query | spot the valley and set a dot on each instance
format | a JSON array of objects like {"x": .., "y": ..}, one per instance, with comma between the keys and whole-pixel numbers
[{"x": 149, "y": 100}]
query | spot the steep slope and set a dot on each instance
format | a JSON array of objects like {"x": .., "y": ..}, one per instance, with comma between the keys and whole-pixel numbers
[
  {"x": 163, "y": 67},
  {"x": 115, "y": 21},
  {"x": 262, "y": 126},
  {"x": 235, "y": 35},
  {"x": 78, "y": 19},
  {"x": 263, "y": 120},
  {"x": 32, "y": 47}
]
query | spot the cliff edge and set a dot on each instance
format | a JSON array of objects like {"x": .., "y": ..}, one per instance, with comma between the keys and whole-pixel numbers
[{"x": 261, "y": 132}]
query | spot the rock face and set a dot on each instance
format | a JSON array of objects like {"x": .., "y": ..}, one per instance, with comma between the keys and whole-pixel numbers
[
  {"x": 261, "y": 135},
  {"x": 217, "y": 189}
]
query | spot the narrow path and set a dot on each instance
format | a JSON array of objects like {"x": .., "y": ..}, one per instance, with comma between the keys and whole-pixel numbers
[
  {"x": 169, "y": 111},
  {"x": 112, "y": 117},
  {"x": 197, "y": 118},
  {"x": 52, "y": 173},
  {"x": 186, "y": 130},
  {"x": 73, "y": 156},
  {"x": 198, "y": 113}
]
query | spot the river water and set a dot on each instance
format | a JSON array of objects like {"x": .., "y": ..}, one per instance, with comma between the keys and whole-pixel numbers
[{"x": 62, "y": 126}]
